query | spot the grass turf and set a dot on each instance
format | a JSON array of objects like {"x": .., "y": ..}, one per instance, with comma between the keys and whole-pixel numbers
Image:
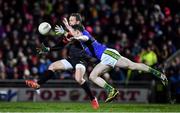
[{"x": 84, "y": 107}]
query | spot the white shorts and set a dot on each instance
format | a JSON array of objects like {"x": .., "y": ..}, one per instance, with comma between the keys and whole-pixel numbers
[
  {"x": 110, "y": 57},
  {"x": 67, "y": 65}
]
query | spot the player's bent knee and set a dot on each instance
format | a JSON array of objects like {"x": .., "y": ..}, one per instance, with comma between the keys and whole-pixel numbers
[
  {"x": 56, "y": 66},
  {"x": 91, "y": 77},
  {"x": 81, "y": 66},
  {"x": 51, "y": 67},
  {"x": 79, "y": 80},
  {"x": 82, "y": 69}
]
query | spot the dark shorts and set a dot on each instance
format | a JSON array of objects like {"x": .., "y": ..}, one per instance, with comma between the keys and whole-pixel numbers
[{"x": 75, "y": 61}]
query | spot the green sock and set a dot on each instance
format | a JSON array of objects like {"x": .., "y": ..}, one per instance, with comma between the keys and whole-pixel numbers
[
  {"x": 108, "y": 87},
  {"x": 155, "y": 72}
]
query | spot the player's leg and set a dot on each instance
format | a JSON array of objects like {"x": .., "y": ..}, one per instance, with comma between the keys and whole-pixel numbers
[
  {"x": 79, "y": 73},
  {"x": 55, "y": 66},
  {"x": 80, "y": 70},
  {"x": 126, "y": 63},
  {"x": 98, "y": 70},
  {"x": 58, "y": 65}
]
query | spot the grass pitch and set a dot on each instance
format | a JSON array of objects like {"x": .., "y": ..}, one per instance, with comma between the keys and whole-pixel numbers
[{"x": 84, "y": 107}]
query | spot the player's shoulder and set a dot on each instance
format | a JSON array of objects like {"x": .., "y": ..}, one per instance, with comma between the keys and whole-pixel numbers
[{"x": 85, "y": 31}]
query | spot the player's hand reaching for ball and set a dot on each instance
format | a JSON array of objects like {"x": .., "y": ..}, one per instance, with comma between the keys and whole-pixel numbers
[
  {"x": 59, "y": 30},
  {"x": 42, "y": 49},
  {"x": 66, "y": 23}
]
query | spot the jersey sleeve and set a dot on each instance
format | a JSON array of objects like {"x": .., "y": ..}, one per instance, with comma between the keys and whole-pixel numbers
[
  {"x": 62, "y": 43},
  {"x": 86, "y": 33}
]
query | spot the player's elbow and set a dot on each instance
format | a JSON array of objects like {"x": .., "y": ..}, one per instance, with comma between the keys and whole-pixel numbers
[{"x": 82, "y": 38}]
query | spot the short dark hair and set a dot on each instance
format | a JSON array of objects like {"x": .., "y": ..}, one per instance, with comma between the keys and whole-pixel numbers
[
  {"x": 78, "y": 27},
  {"x": 77, "y": 15}
]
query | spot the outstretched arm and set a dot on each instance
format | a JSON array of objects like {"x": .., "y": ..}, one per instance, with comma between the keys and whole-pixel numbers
[
  {"x": 75, "y": 33},
  {"x": 44, "y": 49},
  {"x": 58, "y": 47},
  {"x": 69, "y": 28},
  {"x": 61, "y": 45},
  {"x": 82, "y": 38}
]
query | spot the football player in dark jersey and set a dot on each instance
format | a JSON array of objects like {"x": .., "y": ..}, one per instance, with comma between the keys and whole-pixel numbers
[{"x": 76, "y": 60}]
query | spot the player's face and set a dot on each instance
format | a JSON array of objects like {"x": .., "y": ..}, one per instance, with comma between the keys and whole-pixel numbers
[{"x": 73, "y": 21}]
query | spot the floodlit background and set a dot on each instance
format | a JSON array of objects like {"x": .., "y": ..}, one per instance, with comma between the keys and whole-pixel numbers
[{"x": 145, "y": 31}]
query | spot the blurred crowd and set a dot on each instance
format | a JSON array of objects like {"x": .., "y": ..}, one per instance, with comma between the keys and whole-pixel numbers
[{"x": 145, "y": 31}]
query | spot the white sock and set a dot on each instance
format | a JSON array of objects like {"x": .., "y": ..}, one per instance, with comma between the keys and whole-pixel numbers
[{"x": 99, "y": 81}]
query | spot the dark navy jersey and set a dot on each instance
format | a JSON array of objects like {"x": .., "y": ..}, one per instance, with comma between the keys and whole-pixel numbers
[
  {"x": 92, "y": 47},
  {"x": 76, "y": 54},
  {"x": 75, "y": 51}
]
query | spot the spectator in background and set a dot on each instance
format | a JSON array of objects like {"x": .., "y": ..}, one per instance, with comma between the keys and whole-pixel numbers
[
  {"x": 174, "y": 73},
  {"x": 113, "y": 20},
  {"x": 149, "y": 57},
  {"x": 120, "y": 24}
]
